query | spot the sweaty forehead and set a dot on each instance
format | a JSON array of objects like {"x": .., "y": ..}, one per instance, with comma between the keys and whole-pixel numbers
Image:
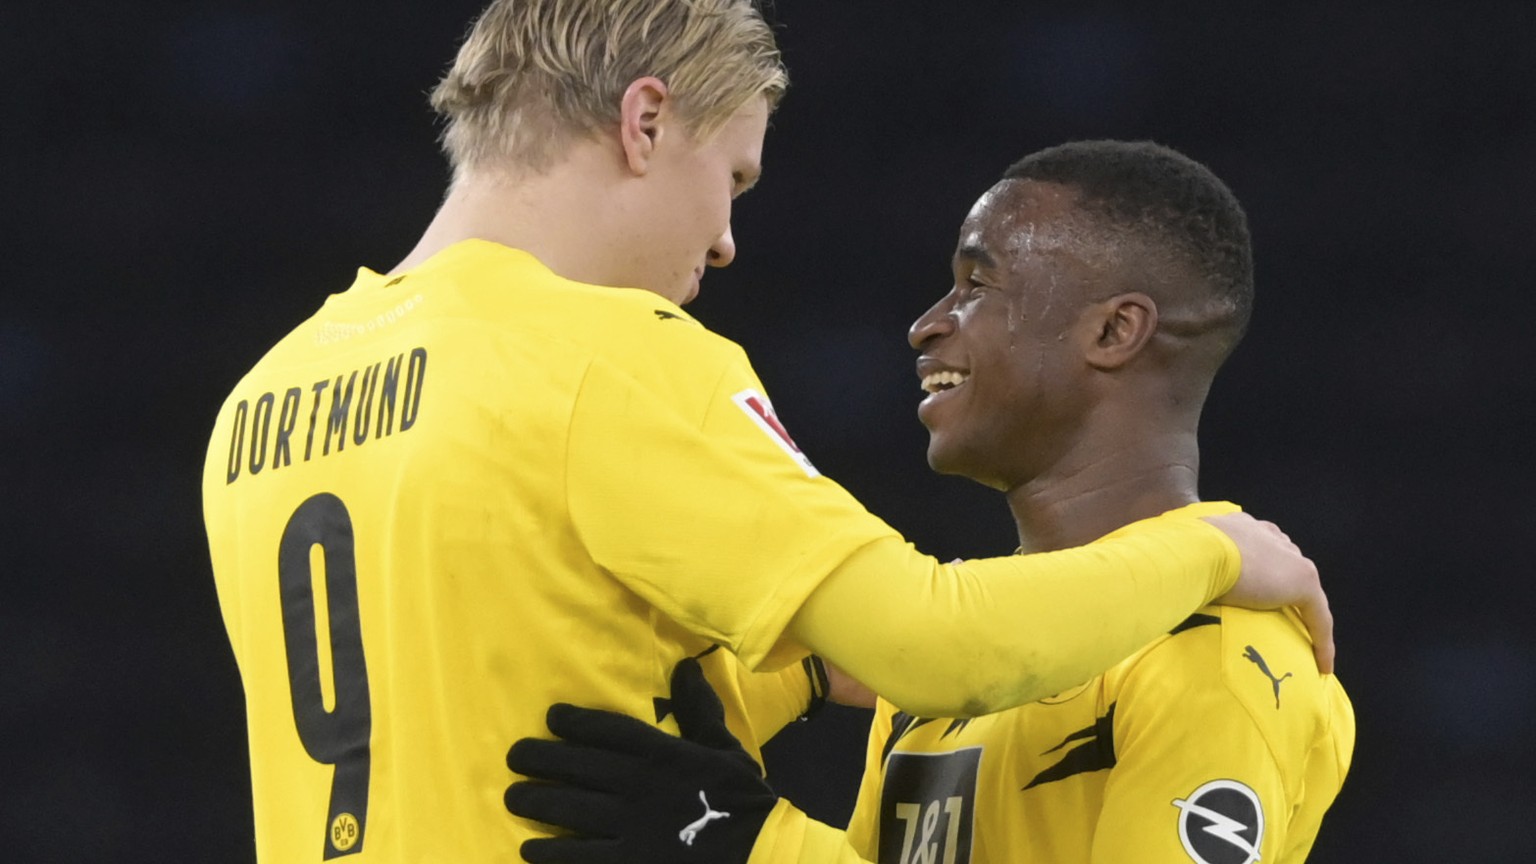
[{"x": 1020, "y": 218}]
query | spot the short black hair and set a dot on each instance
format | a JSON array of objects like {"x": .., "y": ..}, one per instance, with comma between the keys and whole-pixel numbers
[{"x": 1169, "y": 200}]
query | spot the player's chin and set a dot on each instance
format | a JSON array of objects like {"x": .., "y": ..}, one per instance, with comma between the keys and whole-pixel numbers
[
  {"x": 961, "y": 457},
  {"x": 942, "y": 458},
  {"x": 928, "y": 414},
  {"x": 690, "y": 292}
]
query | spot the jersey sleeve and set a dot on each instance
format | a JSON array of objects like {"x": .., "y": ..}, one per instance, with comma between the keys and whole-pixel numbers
[
  {"x": 721, "y": 523},
  {"x": 758, "y": 705},
  {"x": 968, "y": 639},
  {"x": 791, "y": 837},
  {"x": 712, "y": 516},
  {"x": 1195, "y": 777}
]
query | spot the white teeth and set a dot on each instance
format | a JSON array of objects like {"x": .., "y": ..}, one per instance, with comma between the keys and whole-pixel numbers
[{"x": 936, "y": 381}]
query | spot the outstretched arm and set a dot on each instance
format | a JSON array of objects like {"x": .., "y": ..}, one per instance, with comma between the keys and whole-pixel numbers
[
  {"x": 775, "y": 559},
  {"x": 962, "y": 640}
]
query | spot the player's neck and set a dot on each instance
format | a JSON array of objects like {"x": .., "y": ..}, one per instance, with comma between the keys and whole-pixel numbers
[
  {"x": 1078, "y": 503},
  {"x": 556, "y": 215}
]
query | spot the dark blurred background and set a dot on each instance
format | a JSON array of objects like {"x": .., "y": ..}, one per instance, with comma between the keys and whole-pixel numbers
[{"x": 183, "y": 182}]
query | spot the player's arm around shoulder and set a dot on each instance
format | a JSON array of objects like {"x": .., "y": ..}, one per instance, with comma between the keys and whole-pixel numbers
[{"x": 1217, "y": 733}]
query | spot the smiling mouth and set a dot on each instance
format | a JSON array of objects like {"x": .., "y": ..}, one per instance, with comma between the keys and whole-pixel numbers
[{"x": 938, "y": 382}]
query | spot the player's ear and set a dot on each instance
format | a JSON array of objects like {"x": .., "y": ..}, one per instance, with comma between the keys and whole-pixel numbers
[
  {"x": 642, "y": 113},
  {"x": 1120, "y": 328}
]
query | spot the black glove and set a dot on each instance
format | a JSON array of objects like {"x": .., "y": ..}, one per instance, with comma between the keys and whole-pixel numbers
[{"x": 630, "y": 793}]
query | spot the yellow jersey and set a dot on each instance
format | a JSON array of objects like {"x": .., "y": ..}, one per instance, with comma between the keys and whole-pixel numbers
[
  {"x": 432, "y": 511},
  {"x": 457, "y": 495},
  {"x": 1220, "y": 743}
]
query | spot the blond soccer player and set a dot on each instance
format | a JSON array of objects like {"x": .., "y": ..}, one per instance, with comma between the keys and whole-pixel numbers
[{"x": 512, "y": 470}]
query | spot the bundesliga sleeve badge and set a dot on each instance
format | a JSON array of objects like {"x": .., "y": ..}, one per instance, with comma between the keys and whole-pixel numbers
[
  {"x": 760, "y": 411},
  {"x": 1222, "y": 822}
]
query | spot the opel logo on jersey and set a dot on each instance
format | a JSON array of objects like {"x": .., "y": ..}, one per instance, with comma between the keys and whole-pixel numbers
[{"x": 1222, "y": 822}]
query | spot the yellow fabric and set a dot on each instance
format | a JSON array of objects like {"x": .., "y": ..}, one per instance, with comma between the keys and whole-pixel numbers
[
  {"x": 1189, "y": 709},
  {"x": 967, "y": 639},
  {"x": 546, "y": 493},
  {"x": 791, "y": 837},
  {"x": 758, "y": 705},
  {"x": 501, "y": 489}
]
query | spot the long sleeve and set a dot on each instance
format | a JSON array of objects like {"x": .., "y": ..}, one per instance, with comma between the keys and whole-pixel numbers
[
  {"x": 758, "y": 705},
  {"x": 709, "y": 518},
  {"x": 790, "y": 837},
  {"x": 980, "y": 636}
]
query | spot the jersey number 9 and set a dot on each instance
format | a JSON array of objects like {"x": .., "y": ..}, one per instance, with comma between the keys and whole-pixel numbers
[{"x": 339, "y": 735}]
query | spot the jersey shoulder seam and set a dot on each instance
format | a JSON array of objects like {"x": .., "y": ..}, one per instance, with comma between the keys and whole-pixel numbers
[{"x": 1225, "y": 687}]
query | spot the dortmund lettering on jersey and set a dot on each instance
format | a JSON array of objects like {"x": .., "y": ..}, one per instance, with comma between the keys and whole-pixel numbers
[
  {"x": 1189, "y": 751},
  {"x": 351, "y": 407},
  {"x": 456, "y": 496}
]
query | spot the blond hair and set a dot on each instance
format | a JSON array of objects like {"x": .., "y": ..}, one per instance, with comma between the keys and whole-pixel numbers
[{"x": 533, "y": 74}]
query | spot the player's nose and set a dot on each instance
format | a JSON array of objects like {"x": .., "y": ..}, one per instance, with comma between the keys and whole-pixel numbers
[
  {"x": 937, "y": 321},
  {"x": 723, "y": 251}
]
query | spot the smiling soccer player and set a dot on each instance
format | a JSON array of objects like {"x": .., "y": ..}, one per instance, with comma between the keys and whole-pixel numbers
[
  {"x": 511, "y": 469},
  {"x": 1097, "y": 289}
]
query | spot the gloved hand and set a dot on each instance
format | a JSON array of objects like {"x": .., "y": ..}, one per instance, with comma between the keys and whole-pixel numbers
[{"x": 630, "y": 793}]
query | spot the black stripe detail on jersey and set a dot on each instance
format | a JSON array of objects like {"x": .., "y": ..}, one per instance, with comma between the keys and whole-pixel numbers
[
  {"x": 821, "y": 684},
  {"x": 664, "y": 315},
  {"x": 1079, "y": 735},
  {"x": 1199, "y": 619},
  {"x": 1096, "y": 754},
  {"x": 956, "y": 726},
  {"x": 901, "y": 724}
]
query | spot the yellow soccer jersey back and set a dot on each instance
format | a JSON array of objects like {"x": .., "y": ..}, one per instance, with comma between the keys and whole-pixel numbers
[
  {"x": 1218, "y": 743},
  {"x": 454, "y": 497}
]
